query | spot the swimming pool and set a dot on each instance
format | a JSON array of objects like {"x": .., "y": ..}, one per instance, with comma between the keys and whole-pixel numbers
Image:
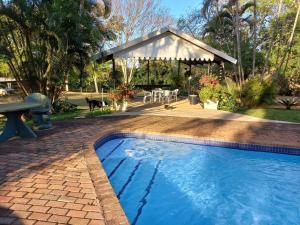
[{"x": 161, "y": 182}]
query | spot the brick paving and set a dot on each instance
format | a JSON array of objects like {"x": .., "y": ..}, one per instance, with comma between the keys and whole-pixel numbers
[{"x": 58, "y": 179}]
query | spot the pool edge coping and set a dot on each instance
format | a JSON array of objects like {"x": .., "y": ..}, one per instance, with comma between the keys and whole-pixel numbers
[
  {"x": 187, "y": 139},
  {"x": 111, "y": 207}
]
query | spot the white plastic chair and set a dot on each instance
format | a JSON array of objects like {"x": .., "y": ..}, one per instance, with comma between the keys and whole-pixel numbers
[
  {"x": 157, "y": 94},
  {"x": 166, "y": 96},
  {"x": 147, "y": 94},
  {"x": 174, "y": 94}
]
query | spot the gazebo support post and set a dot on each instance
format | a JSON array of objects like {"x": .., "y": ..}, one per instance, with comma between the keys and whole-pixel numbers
[
  {"x": 114, "y": 71},
  {"x": 222, "y": 70},
  {"x": 178, "y": 71},
  {"x": 208, "y": 69},
  {"x": 148, "y": 72},
  {"x": 113, "y": 67}
]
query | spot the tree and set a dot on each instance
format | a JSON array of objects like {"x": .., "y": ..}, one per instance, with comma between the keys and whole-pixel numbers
[
  {"x": 99, "y": 73},
  {"x": 290, "y": 40},
  {"x": 229, "y": 19},
  {"x": 136, "y": 18},
  {"x": 254, "y": 38},
  {"x": 272, "y": 39},
  {"x": 267, "y": 33},
  {"x": 42, "y": 40}
]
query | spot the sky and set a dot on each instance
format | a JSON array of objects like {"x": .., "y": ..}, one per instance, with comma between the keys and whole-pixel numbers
[{"x": 179, "y": 7}]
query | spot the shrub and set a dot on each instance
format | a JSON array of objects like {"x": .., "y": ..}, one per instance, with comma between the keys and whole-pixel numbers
[
  {"x": 228, "y": 99},
  {"x": 210, "y": 89},
  {"x": 252, "y": 92},
  {"x": 207, "y": 80},
  {"x": 63, "y": 106},
  {"x": 226, "y": 94},
  {"x": 255, "y": 91},
  {"x": 288, "y": 102},
  {"x": 228, "y": 103},
  {"x": 210, "y": 92},
  {"x": 270, "y": 92}
]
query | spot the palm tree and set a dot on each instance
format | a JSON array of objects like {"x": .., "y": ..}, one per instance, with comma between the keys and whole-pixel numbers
[
  {"x": 266, "y": 65},
  {"x": 232, "y": 15},
  {"x": 290, "y": 41},
  {"x": 254, "y": 38}
]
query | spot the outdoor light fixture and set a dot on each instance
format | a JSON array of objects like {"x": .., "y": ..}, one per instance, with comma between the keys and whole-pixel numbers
[{"x": 189, "y": 79}]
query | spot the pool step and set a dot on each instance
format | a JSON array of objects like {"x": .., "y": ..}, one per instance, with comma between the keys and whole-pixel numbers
[
  {"x": 130, "y": 202},
  {"x": 112, "y": 151},
  {"x": 143, "y": 201},
  {"x": 129, "y": 179}
]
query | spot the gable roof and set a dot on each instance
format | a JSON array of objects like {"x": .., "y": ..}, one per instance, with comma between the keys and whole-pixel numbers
[{"x": 151, "y": 37}]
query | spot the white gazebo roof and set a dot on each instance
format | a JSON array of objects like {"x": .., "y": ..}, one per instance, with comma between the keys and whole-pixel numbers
[{"x": 166, "y": 44}]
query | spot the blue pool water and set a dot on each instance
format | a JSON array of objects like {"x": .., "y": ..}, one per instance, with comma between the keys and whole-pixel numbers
[{"x": 168, "y": 183}]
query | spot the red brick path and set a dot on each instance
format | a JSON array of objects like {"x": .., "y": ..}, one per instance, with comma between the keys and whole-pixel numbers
[{"x": 58, "y": 179}]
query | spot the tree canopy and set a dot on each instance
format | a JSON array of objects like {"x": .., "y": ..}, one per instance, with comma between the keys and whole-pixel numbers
[
  {"x": 264, "y": 34},
  {"x": 43, "y": 40}
]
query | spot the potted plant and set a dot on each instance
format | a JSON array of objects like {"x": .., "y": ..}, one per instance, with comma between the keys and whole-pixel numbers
[
  {"x": 116, "y": 99},
  {"x": 126, "y": 92},
  {"x": 210, "y": 91}
]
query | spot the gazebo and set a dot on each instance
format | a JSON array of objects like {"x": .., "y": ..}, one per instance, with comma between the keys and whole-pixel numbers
[{"x": 168, "y": 44}]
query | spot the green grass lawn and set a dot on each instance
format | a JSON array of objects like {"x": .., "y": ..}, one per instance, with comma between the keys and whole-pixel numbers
[
  {"x": 274, "y": 114},
  {"x": 73, "y": 97},
  {"x": 80, "y": 112}
]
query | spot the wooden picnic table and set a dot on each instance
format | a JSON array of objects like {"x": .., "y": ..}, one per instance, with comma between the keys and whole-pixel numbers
[{"x": 15, "y": 126}]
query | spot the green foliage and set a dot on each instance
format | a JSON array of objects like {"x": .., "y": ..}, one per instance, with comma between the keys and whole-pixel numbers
[
  {"x": 252, "y": 92},
  {"x": 214, "y": 23},
  {"x": 288, "y": 102},
  {"x": 97, "y": 113},
  {"x": 256, "y": 91},
  {"x": 226, "y": 94},
  {"x": 100, "y": 72},
  {"x": 161, "y": 72},
  {"x": 176, "y": 81},
  {"x": 63, "y": 106},
  {"x": 227, "y": 102},
  {"x": 67, "y": 115},
  {"x": 43, "y": 40},
  {"x": 270, "y": 92},
  {"x": 210, "y": 92},
  {"x": 4, "y": 69},
  {"x": 228, "y": 97},
  {"x": 274, "y": 114}
]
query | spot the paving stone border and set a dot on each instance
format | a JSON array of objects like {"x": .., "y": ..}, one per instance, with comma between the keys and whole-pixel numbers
[{"x": 58, "y": 178}]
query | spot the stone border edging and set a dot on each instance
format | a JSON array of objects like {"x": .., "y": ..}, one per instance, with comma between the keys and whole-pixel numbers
[{"x": 111, "y": 207}]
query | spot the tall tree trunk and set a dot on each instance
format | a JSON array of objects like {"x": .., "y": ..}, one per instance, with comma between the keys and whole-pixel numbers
[
  {"x": 95, "y": 79},
  {"x": 67, "y": 83},
  {"x": 290, "y": 41},
  {"x": 287, "y": 61},
  {"x": 266, "y": 65},
  {"x": 238, "y": 42},
  {"x": 96, "y": 84},
  {"x": 235, "y": 65},
  {"x": 254, "y": 39}
]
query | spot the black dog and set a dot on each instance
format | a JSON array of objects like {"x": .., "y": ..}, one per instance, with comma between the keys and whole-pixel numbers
[{"x": 95, "y": 103}]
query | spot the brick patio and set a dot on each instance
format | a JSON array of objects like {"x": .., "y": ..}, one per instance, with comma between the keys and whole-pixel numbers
[{"x": 58, "y": 179}]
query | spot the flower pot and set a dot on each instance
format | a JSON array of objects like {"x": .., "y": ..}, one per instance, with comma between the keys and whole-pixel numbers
[
  {"x": 124, "y": 106},
  {"x": 116, "y": 106},
  {"x": 211, "y": 105},
  {"x": 193, "y": 99}
]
